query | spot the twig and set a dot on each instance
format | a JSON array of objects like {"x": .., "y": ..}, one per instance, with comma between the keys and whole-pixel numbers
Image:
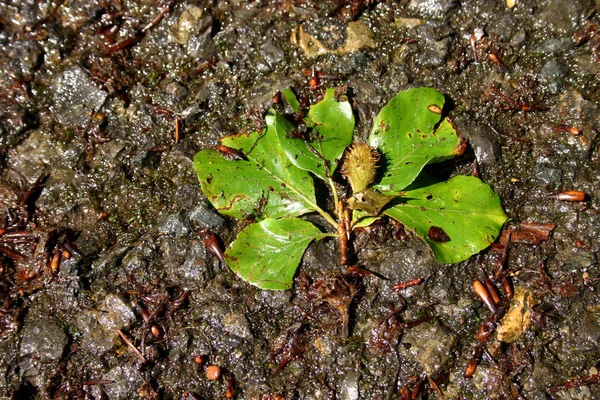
[{"x": 131, "y": 346}]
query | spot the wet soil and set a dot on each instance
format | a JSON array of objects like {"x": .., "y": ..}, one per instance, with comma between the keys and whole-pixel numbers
[{"x": 104, "y": 105}]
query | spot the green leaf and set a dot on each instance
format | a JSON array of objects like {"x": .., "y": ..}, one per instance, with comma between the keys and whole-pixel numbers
[
  {"x": 362, "y": 219},
  {"x": 291, "y": 99},
  {"x": 467, "y": 210},
  {"x": 410, "y": 133},
  {"x": 266, "y": 254},
  {"x": 332, "y": 122},
  {"x": 369, "y": 201},
  {"x": 266, "y": 185}
]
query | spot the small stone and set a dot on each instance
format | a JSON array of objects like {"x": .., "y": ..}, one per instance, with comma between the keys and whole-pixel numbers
[
  {"x": 272, "y": 54},
  {"x": 177, "y": 90},
  {"x": 205, "y": 217},
  {"x": 553, "y": 74},
  {"x": 186, "y": 25},
  {"x": 42, "y": 338},
  {"x": 75, "y": 96},
  {"x": 213, "y": 372},
  {"x": 236, "y": 324},
  {"x": 175, "y": 224},
  {"x": 436, "y": 9},
  {"x": 349, "y": 386},
  {"x": 430, "y": 346},
  {"x": 518, "y": 38},
  {"x": 201, "y": 46},
  {"x": 518, "y": 317}
]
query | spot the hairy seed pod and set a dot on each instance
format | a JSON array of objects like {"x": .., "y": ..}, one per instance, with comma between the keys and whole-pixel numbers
[{"x": 360, "y": 166}]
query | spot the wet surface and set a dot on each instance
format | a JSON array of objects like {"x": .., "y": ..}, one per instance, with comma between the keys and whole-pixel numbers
[{"x": 104, "y": 105}]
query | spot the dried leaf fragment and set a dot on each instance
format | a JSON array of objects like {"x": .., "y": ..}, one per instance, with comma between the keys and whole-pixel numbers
[
  {"x": 518, "y": 317},
  {"x": 358, "y": 36}
]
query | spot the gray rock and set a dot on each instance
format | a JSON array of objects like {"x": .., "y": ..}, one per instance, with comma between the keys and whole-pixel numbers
[
  {"x": 25, "y": 57},
  {"x": 482, "y": 140},
  {"x": 127, "y": 380},
  {"x": 117, "y": 314},
  {"x": 98, "y": 327},
  {"x": 555, "y": 45},
  {"x": 435, "y": 53},
  {"x": 42, "y": 338},
  {"x": 204, "y": 216},
  {"x": 433, "y": 8},
  {"x": 553, "y": 73},
  {"x": 201, "y": 46},
  {"x": 349, "y": 389},
  {"x": 559, "y": 16},
  {"x": 175, "y": 224},
  {"x": 518, "y": 38},
  {"x": 271, "y": 54},
  {"x": 75, "y": 96},
  {"x": 548, "y": 175},
  {"x": 429, "y": 345},
  {"x": 355, "y": 62},
  {"x": 235, "y": 323},
  {"x": 38, "y": 153},
  {"x": 177, "y": 90}
]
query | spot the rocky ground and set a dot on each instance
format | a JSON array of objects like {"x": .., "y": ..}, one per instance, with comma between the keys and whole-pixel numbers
[{"x": 103, "y": 106}]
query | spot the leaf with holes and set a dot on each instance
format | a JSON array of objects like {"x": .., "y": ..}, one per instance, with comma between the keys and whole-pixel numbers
[
  {"x": 464, "y": 209},
  {"x": 331, "y": 124},
  {"x": 265, "y": 185},
  {"x": 410, "y": 133}
]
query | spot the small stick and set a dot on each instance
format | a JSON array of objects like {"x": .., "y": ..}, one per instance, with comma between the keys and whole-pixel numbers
[
  {"x": 131, "y": 346},
  {"x": 407, "y": 284},
  {"x": 98, "y": 382}
]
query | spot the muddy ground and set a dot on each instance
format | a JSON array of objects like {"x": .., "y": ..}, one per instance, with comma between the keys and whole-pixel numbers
[{"x": 104, "y": 105}]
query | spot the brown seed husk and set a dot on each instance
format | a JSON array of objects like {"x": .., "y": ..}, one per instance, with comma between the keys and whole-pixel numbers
[{"x": 360, "y": 166}]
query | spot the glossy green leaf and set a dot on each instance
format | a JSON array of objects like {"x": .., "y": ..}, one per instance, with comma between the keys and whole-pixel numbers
[
  {"x": 266, "y": 254},
  {"x": 332, "y": 124},
  {"x": 467, "y": 210},
  {"x": 410, "y": 133},
  {"x": 362, "y": 219},
  {"x": 369, "y": 201},
  {"x": 266, "y": 185},
  {"x": 291, "y": 99}
]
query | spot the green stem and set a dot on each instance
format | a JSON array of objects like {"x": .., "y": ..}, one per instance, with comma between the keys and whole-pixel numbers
[
  {"x": 329, "y": 234},
  {"x": 335, "y": 196},
  {"x": 326, "y": 215}
]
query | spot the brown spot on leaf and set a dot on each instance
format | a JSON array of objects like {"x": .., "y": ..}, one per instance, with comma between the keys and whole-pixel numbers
[
  {"x": 437, "y": 234},
  {"x": 434, "y": 108}
]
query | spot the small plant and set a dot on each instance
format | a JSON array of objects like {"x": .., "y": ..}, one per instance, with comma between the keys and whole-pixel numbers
[{"x": 269, "y": 177}]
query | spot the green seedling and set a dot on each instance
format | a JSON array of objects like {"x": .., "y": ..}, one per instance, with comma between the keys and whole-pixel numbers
[{"x": 269, "y": 177}]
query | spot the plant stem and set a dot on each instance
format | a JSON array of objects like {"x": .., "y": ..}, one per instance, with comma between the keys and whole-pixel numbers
[
  {"x": 342, "y": 230},
  {"x": 326, "y": 215},
  {"x": 335, "y": 195}
]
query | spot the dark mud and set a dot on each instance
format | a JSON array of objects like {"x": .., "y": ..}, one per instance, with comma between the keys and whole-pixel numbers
[{"x": 94, "y": 171}]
